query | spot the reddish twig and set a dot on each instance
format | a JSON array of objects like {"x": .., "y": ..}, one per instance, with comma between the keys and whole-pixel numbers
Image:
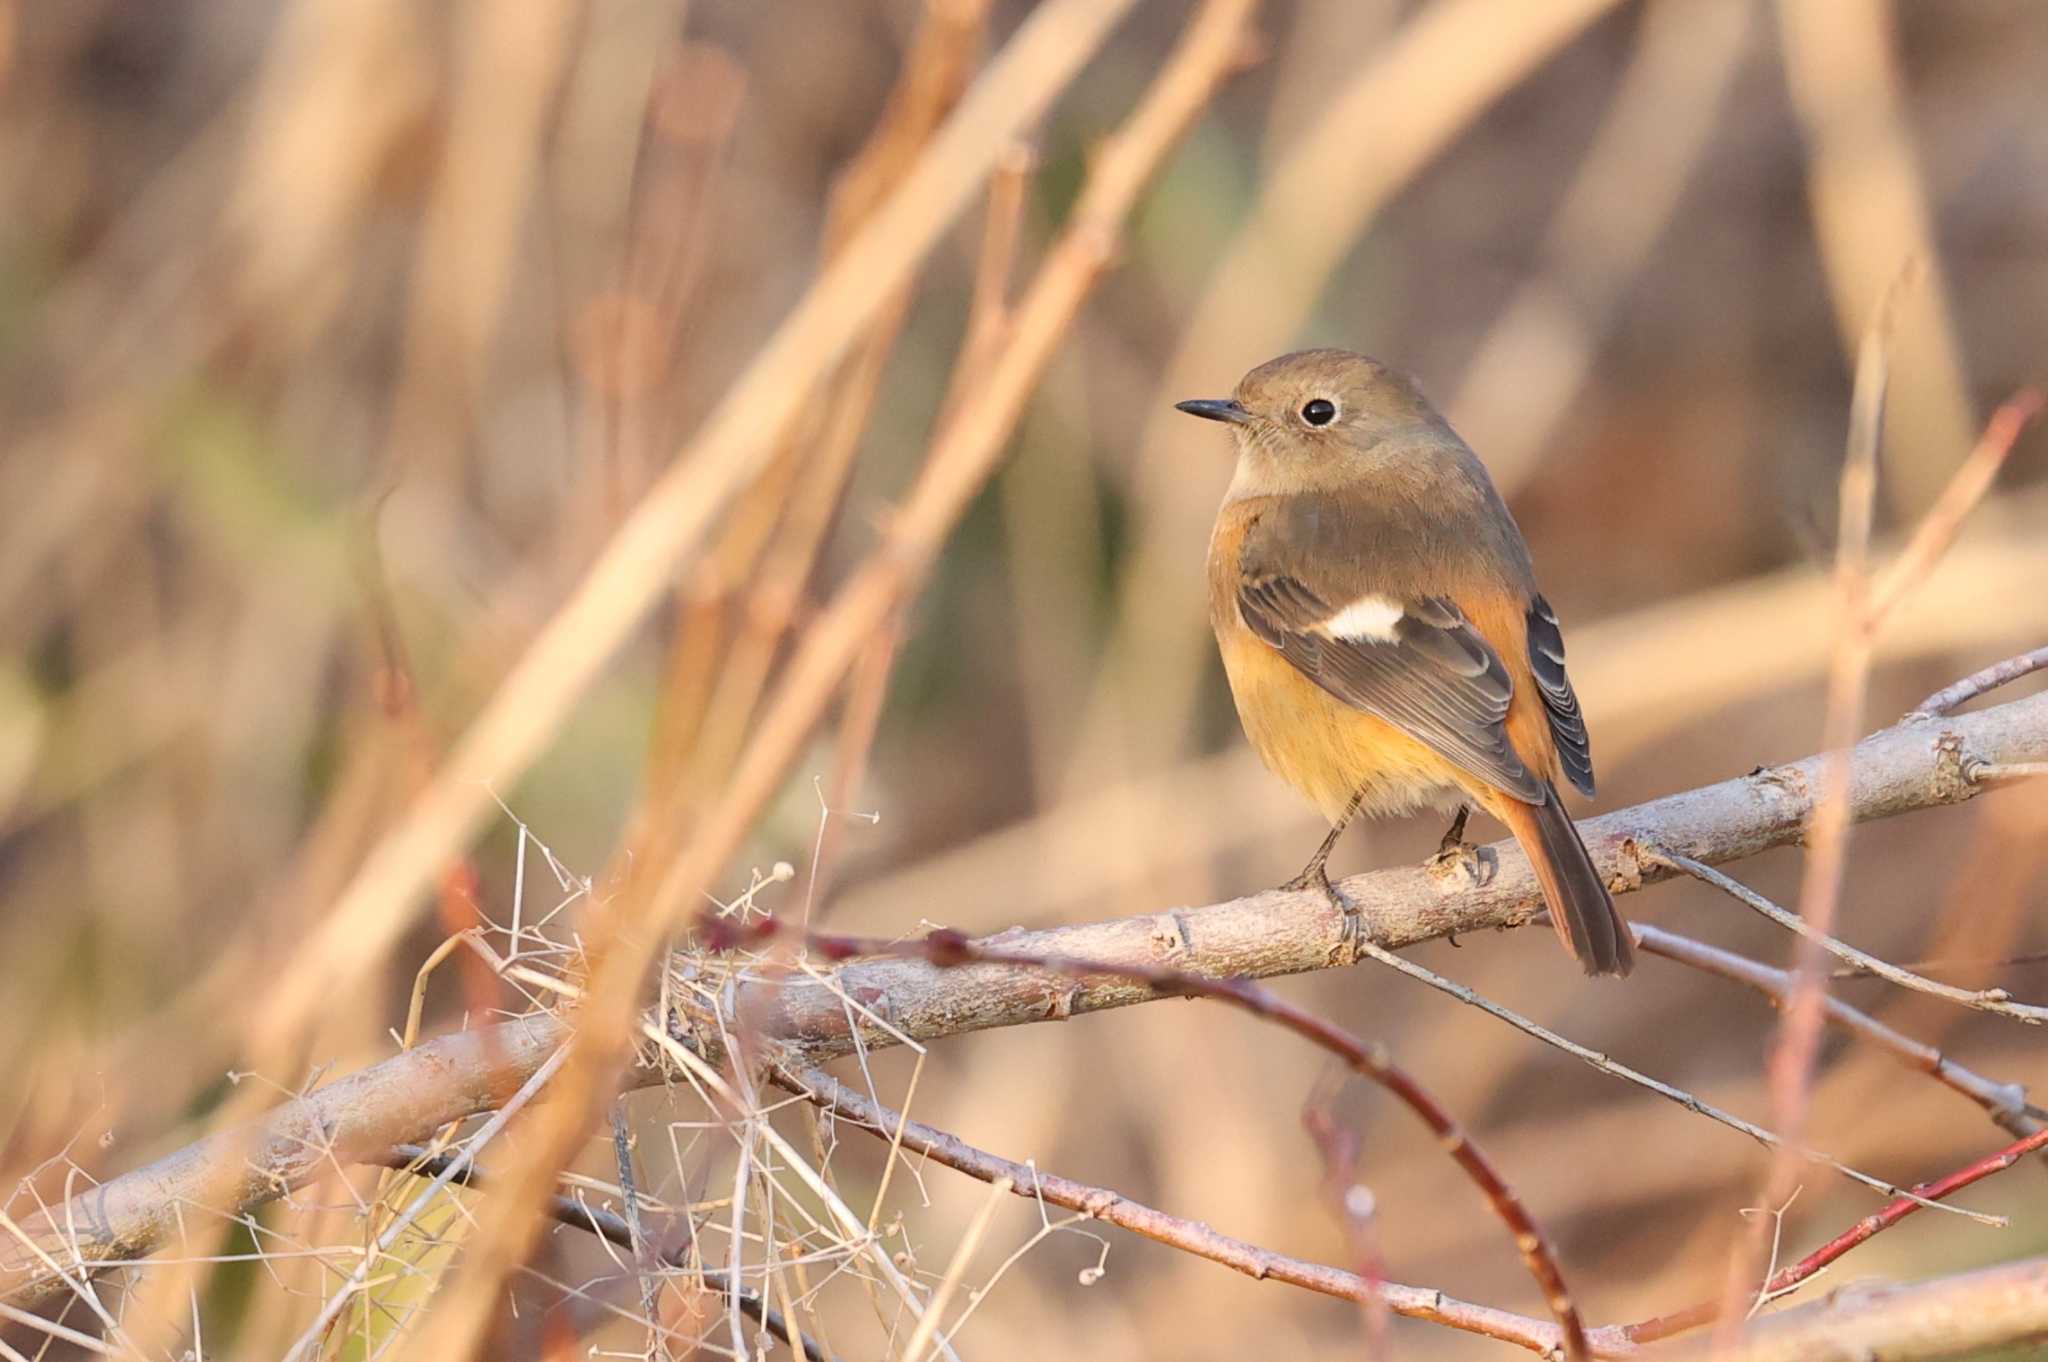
[
  {"x": 1970, "y": 1314},
  {"x": 1356, "y": 1208},
  {"x": 1788, "y": 1075},
  {"x": 949, "y": 949},
  {"x": 1938, "y": 528},
  {"x": 1862, "y": 610},
  {"x": 1607, "y": 1065},
  {"x": 1692, "y": 1317}
]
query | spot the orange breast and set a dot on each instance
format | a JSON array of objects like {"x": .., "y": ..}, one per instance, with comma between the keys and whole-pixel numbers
[
  {"x": 1330, "y": 751},
  {"x": 1323, "y": 747}
]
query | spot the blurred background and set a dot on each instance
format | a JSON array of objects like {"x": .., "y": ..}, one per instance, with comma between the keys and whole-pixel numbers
[{"x": 337, "y": 336}]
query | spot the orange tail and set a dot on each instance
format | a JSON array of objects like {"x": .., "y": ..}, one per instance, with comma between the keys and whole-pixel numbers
[{"x": 1586, "y": 919}]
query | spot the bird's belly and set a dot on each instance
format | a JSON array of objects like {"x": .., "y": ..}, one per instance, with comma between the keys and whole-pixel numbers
[{"x": 1325, "y": 748}]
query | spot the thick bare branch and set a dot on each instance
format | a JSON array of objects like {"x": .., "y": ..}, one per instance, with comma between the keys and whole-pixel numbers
[
  {"x": 1911, "y": 766},
  {"x": 1948, "y": 1317},
  {"x": 349, "y": 1121}
]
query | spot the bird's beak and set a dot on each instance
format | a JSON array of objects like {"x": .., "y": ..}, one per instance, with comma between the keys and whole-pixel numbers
[{"x": 1215, "y": 409}]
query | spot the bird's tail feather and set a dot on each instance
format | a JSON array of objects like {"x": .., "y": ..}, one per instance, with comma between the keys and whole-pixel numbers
[{"x": 1586, "y": 919}]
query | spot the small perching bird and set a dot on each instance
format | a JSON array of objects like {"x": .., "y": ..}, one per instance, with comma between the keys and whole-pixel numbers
[{"x": 1379, "y": 620}]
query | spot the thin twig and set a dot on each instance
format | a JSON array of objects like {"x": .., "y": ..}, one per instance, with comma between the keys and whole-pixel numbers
[
  {"x": 866, "y": 694},
  {"x": 1959, "y": 963},
  {"x": 1992, "y": 772},
  {"x": 776, "y": 534},
  {"x": 2006, "y": 1103},
  {"x": 1950, "y": 698},
  {"x": 949, "y": 1282},
  {"x": 969, "y": 446},
  {"x": 850, "y": 1225},
  {"x": 630, "y": 935},
  {"x": 53, "y": 1329},
  {"x": 613, "y": 1229},
  {"x": 1971, "y": 1314},
  {"x": 1692, "y": 1317},
  {"x": 1993, "y": 1000},
  {"x": 1113, "y": 1208},
  {"x": 1861, "y": 610},
  {"x": 1615, "y": 1068},
  {"x": 629, "y": 1197}
]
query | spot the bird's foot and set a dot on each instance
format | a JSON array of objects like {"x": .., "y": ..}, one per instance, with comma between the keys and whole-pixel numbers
[
  {"x": 1312, "y": 876},
  {"x": 1457, "y": 863},
  {"x": 1352, "y": 931}
]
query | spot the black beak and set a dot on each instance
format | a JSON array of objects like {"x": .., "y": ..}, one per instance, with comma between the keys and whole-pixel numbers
[{"x": 1215, "y": 409}]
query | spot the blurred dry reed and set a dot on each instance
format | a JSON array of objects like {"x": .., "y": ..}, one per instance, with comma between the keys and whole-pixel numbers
[{"x": 486, "y": 485}]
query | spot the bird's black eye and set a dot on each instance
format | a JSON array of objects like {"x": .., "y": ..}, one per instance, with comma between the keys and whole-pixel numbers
[{"x": 1319, "y": 411}]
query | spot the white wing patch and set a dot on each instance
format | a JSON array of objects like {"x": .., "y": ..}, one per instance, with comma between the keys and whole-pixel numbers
[{"x": 1368, "y": 617}]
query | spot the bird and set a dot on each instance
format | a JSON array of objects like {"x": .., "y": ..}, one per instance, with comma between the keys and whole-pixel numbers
[{"x": 1387, "y": 648}]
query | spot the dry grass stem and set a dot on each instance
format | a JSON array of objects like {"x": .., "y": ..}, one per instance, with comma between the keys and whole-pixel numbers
[
  {"x": 523, "y": 517},
  {"x": 637, "y": 565},
  {"x": 1114, "y": 1208},
  {"x": 615, "y": 1229}
]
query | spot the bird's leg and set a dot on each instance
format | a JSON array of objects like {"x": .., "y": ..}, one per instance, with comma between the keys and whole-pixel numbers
[
  {"x": 1454, "y": 836},
  {"x": 1457, "y": 860},
  {"x": 1314, "y": 876}
]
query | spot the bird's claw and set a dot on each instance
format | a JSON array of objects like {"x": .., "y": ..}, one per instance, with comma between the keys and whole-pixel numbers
[
  {"x": 1352, "y": 930},
  {"x": 1457, "y": 863},
  {"x": 1459, "y": 866}
]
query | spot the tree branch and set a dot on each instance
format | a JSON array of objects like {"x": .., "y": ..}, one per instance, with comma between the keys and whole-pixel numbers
[
  {"x": 1907, "y": 767},
  {"x": 1919, "y": 764},
  {"x": 1947, "y": 1317}
]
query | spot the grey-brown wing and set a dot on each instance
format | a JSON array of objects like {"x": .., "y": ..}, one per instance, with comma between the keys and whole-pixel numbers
[
  {"x": 1567, "y": 725},
  {"x": 1427, "y": 672}
]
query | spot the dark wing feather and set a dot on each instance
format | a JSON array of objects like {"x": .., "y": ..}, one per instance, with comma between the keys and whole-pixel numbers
[
  {"x": 1567, "y": 725},
  {"x": 1436, "y": 680}
]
